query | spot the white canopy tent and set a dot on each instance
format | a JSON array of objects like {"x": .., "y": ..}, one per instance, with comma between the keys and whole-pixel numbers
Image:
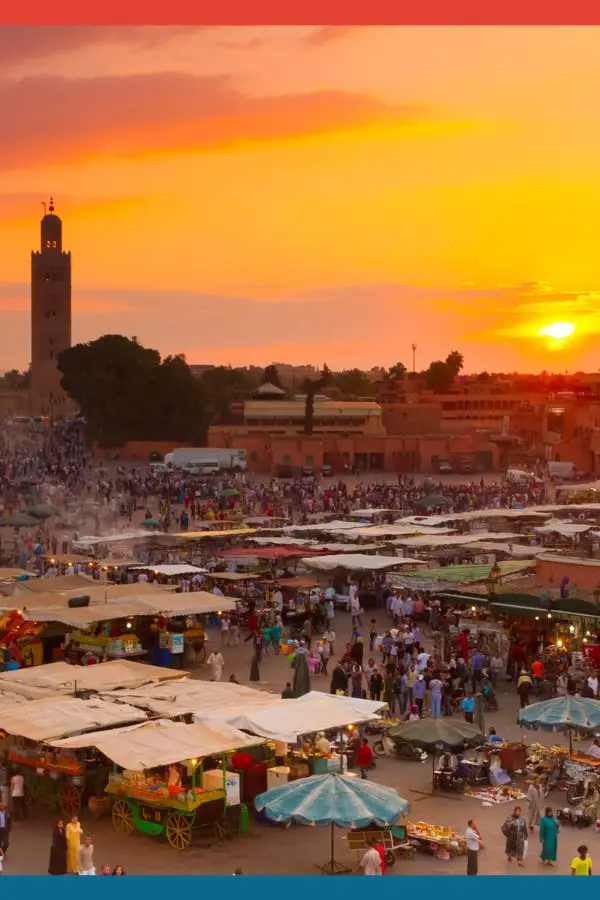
[
  {"x": 56, "y": 717},
  {"x": 287, "y": 720},
  {"x": 358, "y": 562},
  {"x": 60, "y": 677},
  {"x": 565, "y": 529},
  {"x": 162, "y": 743},
  {"x": 171, "y": 570},
  {"x": 192, "y": 696}
]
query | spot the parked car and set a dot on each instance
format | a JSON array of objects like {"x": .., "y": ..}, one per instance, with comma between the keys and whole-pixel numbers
[
  {"x": 466, "y": 465},
  {"x": 444, "y": 467},
  {"x": 309, "y": 471},
  {"x": 327, "y": 470},
  {"x": 284, "y": 471}
]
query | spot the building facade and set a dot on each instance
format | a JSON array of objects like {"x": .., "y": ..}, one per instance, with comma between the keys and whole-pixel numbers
[
  {"x": 50, "y": 316},
  {"x": 346, "y": 435}
]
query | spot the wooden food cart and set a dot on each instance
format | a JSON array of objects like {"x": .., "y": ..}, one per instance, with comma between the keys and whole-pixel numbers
[
  {"x": 61, "y": 780},
  {"x": 170, "y": 779}
]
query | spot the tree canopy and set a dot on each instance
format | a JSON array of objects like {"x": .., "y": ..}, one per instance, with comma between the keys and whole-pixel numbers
[
  {"x": 126, "y": 392},
  {"x": 270, "y": 375},
  {"x": 440, "y": 375},
  {"x": 355, "y": 383}
]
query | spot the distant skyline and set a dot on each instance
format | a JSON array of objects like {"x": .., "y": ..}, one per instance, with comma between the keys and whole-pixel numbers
[{"x": 324, "y": 194}]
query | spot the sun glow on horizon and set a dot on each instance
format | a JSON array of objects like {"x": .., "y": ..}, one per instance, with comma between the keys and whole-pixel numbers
[{"x": 558, "y": 331}]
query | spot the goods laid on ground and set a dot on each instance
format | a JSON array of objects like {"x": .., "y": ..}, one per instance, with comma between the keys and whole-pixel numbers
[
  {"x": 496, "y": 795},
  {"x": 437, "y": 839}
]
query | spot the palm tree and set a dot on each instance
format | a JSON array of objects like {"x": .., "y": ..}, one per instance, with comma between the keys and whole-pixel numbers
[
  {"x": 310, "y": 389},
  {"x": 455, "y": 362}
]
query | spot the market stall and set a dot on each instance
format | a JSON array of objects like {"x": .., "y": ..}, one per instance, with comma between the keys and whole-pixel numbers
[
  {"x": 170, "y": 778},
  {"x": 59, "y": 779}
]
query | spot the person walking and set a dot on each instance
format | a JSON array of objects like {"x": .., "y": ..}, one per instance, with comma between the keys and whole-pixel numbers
[
  {"x": 581, "y": 864},
  {"x": 436, "y": 687},
  {"x": 4, "y": 828},
  {"x": 515, "y": 832},
  {"x": 535, "y": 797},
  {"x": 467, "y": 704},
  {"x": 549, "y": 829},
  {"x": 17, "y": 795},
  {"x": 473, "y": 838},
  {"x": 364, "y": 758},
  {"x": 524, "y": 688},
  {"x": 73, "y": 835},
  {"x": 85, "y": 859},
  {"x": 58, "y": 850},
  {"x": 216, "y": 663},
  {"x": 371, "y": 861}
]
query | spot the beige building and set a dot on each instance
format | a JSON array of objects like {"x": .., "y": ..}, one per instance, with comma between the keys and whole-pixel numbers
[
  {"x": 50, "y": 317},
  {"x": 330, "y": 417}
]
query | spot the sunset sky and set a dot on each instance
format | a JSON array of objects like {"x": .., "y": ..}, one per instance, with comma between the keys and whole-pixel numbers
[{"x": 309, "y": 195}]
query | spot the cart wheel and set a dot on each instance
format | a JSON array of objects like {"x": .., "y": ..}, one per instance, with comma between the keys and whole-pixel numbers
[
  {"x": 122, "y": 817},
  {"x": 69, "y": 800},
  {"x": 179, "y": 831},
  {"x": 390, "y": 858}
]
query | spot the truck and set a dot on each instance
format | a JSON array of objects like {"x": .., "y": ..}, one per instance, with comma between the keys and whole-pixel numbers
[
  {"x": 562, "y": 471},
  {"x": 226, "y": 458}
]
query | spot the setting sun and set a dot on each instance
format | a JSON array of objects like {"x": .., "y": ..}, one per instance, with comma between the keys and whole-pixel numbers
[{"x": 558, "y": 331}]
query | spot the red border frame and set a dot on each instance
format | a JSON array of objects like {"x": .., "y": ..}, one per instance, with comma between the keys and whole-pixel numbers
[{"x": 307, "y": 12}]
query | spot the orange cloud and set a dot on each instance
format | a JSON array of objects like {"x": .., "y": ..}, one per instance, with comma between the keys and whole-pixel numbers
[
  {"x": 21, "y": 43},
  {"x": 142, "y": 114}
]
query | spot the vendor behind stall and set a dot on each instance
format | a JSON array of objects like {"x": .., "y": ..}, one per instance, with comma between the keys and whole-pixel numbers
[{"x": 594, "y": 749}]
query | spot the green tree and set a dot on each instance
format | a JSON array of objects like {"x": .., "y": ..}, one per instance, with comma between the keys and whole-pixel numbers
[
  {"x": 222, "y": 385},
  {"x": 126, "y": 393},
  {"x": 439, "y": 377},
  {"x": 15, "y": 379},
  {"x": 398, "y": 370},
  {"x": 270, "y": 375},
  {"x": 354, "y": 383},
  {"x": 455, "y": 362}
]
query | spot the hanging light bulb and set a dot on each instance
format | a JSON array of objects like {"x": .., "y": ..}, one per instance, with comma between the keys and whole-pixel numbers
[{"x": 572, "y": 629}]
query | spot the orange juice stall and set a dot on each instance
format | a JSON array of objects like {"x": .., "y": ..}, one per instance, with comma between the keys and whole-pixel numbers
[{"x": 171, "y": 778}]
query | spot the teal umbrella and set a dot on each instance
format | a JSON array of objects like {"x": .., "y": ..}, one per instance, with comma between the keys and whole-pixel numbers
[
  {"x": 329, "y": 800},
  {"x": 150, "y": 523},
  {"x": 563, "y": 714}
]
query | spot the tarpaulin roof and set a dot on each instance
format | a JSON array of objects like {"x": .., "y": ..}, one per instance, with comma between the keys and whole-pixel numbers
[
  {"x": 266, "y": 552},
  {"x": 287, "y": 720},
  {"x": 297, "y": 582},
  {"x": 161, "y": 743},
  {"x": 359, "y": 562},
  {"x": 170, "y": 570},
  {"x": 176, "y": 698},
  {"x": 528, "y": 605},
  {"x": 56, "y": 717},
  {"x": 59, "y": 584},
  {"x": 60, "y": 676}
]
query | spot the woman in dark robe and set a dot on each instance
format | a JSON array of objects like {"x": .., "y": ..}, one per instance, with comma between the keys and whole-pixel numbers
[{"x": 58, "y": 850}]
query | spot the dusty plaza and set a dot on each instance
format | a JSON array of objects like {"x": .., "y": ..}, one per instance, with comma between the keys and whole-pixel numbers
[{"x": 275, "y": 850}]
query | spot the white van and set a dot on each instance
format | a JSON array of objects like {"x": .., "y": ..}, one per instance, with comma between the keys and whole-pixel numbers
[{"x": 518, "y": 476}]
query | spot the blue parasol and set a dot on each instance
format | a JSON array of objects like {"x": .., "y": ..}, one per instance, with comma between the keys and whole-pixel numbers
[
  {"x": 563, "y": 714},
  {"x": 322, "y": 800}
]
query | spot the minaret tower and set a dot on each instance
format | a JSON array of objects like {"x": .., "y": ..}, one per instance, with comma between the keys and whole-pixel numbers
[{"x": 50, "y": 316}]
